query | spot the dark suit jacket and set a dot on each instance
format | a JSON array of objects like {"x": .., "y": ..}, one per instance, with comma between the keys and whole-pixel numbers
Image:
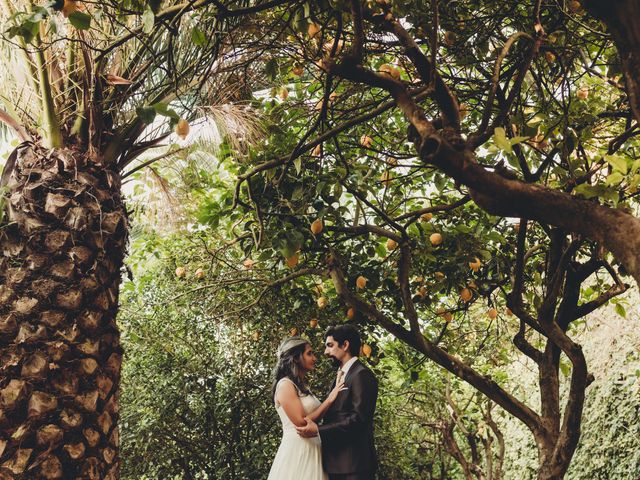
[{"x": 347, "y": 429}]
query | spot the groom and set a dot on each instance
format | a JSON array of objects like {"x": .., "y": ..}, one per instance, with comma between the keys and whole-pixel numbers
[{"x": 346, "y": 433}]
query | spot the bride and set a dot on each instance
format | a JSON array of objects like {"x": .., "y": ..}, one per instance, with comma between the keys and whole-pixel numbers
[{"x": 297, "y": 457}]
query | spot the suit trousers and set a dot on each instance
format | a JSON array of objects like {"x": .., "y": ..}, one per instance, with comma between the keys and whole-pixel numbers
[{"x": 353, "y": 476}]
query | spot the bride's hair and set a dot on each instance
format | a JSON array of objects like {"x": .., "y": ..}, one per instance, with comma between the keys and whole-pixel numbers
[{"x": 288, "y": 365}]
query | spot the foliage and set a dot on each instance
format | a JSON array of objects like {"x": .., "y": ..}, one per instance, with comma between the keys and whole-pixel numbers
[
  {"x": 526, "y": 116},
  {"x": 608, "y": 448},
  {"x": 114, "y": 77},
  {"x": 196, "y": 377},
  {"x": 177, "y": 347},
  {"x": 196, "y": 385},
  {"x": 374, "y": 124}
]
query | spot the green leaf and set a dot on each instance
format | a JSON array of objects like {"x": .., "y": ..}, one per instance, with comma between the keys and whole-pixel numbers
[
  {"x": 148, "y": 20},
  {"x": 440, "y": 182},
  {"x": 618, "y": 163},
  {"x": 27, "y": 30},
  {"x": 164, "y": 110},
  {"x": 496, "y": 237},
  {"x": 297, "y": 194},
  {"x": 463, "y": 228},
  {"x": 612, "y": 195},
  {"x": 589, "y": 191},
  {"x": 620, "y": 310},
  {"x": 298, "y": 164},
  {"x": 614, "y": 179},
  {"x": 516, "y": 140},
  {"x": 197, "y": 36},
  {"x": 501, "y": 140},
  {"x": 146, "y": 114},
  {"x": 486, "y": 255},
  {"x": 80, "y": 20},
  {"x": 535, "y": 120}
]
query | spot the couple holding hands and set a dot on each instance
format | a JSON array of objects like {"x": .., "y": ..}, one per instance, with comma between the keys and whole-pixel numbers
[{"x": 332, "y": 439}]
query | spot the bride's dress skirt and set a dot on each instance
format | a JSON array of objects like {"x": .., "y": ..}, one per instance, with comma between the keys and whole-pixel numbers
[{"x": 297, "y": 458}]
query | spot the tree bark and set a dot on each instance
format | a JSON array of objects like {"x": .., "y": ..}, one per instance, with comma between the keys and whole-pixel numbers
[
  {"x": 62, "y": 245},
  {"x": 622, "y": 18},
  {"x": 552, "y": 472}
]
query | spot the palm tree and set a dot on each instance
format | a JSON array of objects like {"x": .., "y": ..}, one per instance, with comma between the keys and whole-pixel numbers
[{"x": 82, "y": 85}]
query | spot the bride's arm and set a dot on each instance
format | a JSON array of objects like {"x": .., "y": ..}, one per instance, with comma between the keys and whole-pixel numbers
[
  {"x": 319, "y": 412},
  {"x": 287, "y": 396}
]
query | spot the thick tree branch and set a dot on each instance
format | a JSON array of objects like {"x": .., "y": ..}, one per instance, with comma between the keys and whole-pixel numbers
[
  {"x": 358, "y": 31},
  {"x": 398, "y": 91},
  {"x": 443, "y": 95},
  {"x": 498, "y": 195},
  {"x": 615, "y": 229},
  {"x": 520, "y": 341},
  {"x": 621, "y": 18},
  {"x": 557, "y": 276},
  {"x": 586, "y": 308}
]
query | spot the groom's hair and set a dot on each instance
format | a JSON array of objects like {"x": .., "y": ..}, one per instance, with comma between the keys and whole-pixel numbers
[{"x": 343, "y": 332}]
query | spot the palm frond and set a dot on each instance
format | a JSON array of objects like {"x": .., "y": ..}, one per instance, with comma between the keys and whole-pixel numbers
[{"x": 236, "y": 125}]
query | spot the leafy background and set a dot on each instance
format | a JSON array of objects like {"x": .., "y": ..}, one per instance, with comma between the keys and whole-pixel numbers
[{"x": 196, "y": 381}]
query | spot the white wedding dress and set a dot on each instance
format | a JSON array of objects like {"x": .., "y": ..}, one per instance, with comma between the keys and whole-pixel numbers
[{"x": 297, "y": 458}]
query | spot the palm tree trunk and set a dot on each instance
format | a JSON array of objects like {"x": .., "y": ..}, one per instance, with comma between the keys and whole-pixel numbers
[{"x": 62, "y": 245}]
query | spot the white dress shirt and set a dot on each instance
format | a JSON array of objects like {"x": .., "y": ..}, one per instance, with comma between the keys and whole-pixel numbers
[{"x": 345, "y": 368}]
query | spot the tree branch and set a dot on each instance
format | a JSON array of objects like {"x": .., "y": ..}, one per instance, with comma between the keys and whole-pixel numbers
[
  {"x": 358, "y": 31},
  {"x": 404, "y": 266},
  {"x": 449, "y": 362},
  {"x": 443, "y": 95},
  {"x": 360, "y": 229},
  {"x": 435, "y": 209},
  {"x": 486, "y": 116}
]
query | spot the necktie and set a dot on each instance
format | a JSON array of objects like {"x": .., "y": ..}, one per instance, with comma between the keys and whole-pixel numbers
[{"x": 340, "y": 376}]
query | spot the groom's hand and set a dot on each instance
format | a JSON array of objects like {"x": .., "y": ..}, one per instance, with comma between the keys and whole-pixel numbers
[{"x": 309, "y": 430}]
